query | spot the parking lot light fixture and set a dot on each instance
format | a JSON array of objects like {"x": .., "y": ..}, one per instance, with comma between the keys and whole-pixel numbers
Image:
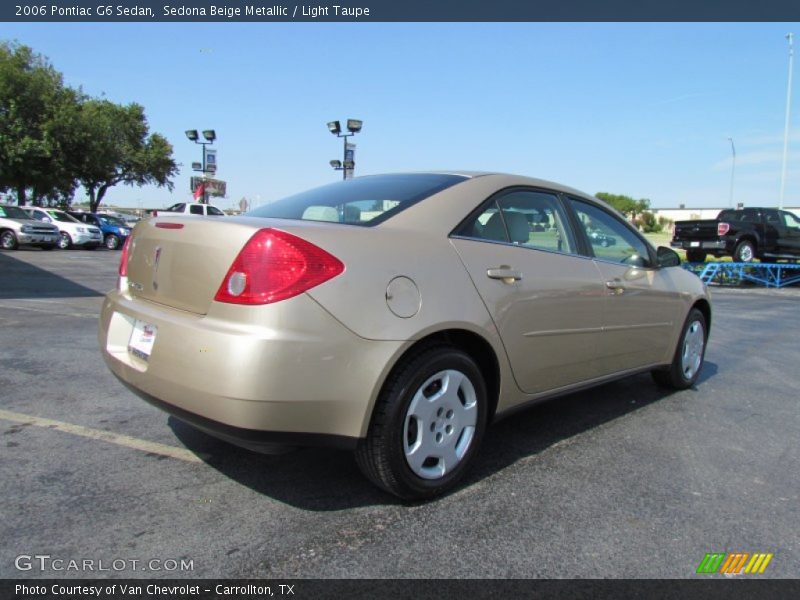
[
  {"x": 209, "y": 135},
  {"x": 347, "y": 164}
]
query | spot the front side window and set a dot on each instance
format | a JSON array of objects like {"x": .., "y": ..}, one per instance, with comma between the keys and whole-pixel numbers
[
  {"x": 611, "y": 238},
  {"x": 196, "y": 210},
  {"x": 213, "y": 211},
  {"x": 177, "y": 207},
  {"x": 362, "y": 201},
  {"x": 525, "y": 218}
]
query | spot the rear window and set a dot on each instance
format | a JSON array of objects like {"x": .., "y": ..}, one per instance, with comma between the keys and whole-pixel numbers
[
  {"x": 738, "y": 215},
  {"x": 363, "y": 201}
]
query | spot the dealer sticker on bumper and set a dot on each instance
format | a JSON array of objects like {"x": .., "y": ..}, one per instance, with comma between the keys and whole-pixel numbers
[{"x": 142, "y": 339}]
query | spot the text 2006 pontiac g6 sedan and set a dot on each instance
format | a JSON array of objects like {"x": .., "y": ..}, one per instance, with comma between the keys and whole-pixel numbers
[{"x": 396, "y": 315}]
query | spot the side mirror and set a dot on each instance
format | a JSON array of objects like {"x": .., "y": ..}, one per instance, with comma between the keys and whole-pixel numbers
[{"x": 667, "y": 257}]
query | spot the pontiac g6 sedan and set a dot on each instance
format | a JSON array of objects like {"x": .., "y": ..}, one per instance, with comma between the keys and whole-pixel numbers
[{"x": 396, "y": 315}]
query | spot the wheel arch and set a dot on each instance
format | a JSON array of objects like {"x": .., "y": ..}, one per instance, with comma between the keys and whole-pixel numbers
[
  {"x": 476, "y": 347},
  {"x": 704, "y": 306}
]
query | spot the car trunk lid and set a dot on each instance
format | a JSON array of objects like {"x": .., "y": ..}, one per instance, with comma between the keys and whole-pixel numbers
[{"x": 180, "y": 262}]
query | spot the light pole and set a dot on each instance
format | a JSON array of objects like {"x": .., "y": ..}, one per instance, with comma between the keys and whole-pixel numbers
[
  {"x": 733, "y": 169},
  {"x": 790, "y": 37},
  {"x": 210, "y": 135},
  {"x": 347, "y": 163}
]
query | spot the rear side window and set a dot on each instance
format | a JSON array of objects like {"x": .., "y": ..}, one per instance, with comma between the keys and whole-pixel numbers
[
  {"x": 362, "y": 201},
  {"x": 196, "y": 210},
  {"x": 525, "y": 218}
]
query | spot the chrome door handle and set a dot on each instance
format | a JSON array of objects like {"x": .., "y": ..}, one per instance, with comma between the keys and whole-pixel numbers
[
  {"x": 616, "y": 286},
  {"x": 504, "y": 273}
]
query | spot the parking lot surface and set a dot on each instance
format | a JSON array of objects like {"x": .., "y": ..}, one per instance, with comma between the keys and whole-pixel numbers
[{"x": 625, "y": 480}]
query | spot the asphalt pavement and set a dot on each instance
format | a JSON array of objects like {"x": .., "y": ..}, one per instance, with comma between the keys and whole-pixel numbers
[{"x": 625, "y": 480}]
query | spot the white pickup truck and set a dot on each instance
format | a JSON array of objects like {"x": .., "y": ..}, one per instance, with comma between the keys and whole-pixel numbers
[{"x": 189, "y": 209}]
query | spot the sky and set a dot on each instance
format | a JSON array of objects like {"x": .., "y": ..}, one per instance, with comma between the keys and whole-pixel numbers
[{"x": 644, "y": 110}]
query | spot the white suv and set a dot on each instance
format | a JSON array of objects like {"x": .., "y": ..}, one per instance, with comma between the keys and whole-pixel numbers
[
  {"x": 17, "y": 228},
  {"x": 72, "y": 231}
]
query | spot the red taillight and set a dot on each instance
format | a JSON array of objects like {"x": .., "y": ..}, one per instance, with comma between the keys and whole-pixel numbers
[
  {"x": 123, "y": 260},
  {"x": 722, "y": 228},
  {"x": 164, "y": 225},
  {"x": 275, "y": 265}
]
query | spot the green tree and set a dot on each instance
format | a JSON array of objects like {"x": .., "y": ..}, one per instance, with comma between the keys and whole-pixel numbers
[
  {"x": 118, "y": 148},
  {"x": 33, "y": 102},
  {"x": 625, "y": 204}
]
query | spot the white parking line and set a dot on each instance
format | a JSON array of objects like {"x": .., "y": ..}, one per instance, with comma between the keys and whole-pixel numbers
[{"x": 105, "y": 436}]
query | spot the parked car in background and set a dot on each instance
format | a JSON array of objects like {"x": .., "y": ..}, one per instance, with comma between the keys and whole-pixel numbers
[
  {"x": 744, "y": 234},
  {"x": 395, "y": 315},
  {"x": 598, "y": 238},
  {"x": 115, "y": 231},
  {"x": 190, "y": 209},
  {"x": 71, "y": 231},
  {"x": 18, "y": 228}
]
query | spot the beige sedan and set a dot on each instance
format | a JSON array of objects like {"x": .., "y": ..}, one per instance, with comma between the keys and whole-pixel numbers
[{"x": 396, "y": 315}]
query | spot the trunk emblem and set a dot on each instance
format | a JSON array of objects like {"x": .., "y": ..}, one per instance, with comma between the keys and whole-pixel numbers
[{"x": 156, "y": 258}]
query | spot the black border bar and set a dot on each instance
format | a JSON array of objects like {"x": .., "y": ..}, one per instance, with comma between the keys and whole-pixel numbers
[
  {"x": 410, "y": 589},
  {"x": 154, "y": 11}
]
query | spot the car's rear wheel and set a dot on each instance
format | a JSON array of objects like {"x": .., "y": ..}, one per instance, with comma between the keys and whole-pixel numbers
[
  {"x": 8, "y": 240},
  {"x": 745, "y": 252},
  {"x": 112, "y": 241},
  {"x": 696, "y": 256},
  {"x": 427, "y": 425},
  {"x": 64, "y": 241},
  {"x": 689, "y": 355}
]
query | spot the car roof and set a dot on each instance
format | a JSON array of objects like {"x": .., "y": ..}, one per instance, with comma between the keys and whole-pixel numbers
[{"x": 511, "y": 179}]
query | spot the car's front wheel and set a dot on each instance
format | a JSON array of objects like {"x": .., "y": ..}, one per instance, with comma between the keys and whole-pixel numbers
[
  {"x": 8, "y": 240},
  {"x": 689, "y": 355},
  {"x": 427, "y": 424},
  {"x": 64, "y": 241}
]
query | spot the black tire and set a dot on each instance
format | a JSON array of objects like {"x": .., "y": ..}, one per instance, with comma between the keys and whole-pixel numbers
[
  {"x": 64, "y": 241},
  {"x": 697, "y": 256},
  {"x": 676, "y": 375},
  {"x": 382, "y": 454},
  {"x": 8, "y": 240},
  {"x": 745, "y": 251},
  {"x": 112, "y": 241}
]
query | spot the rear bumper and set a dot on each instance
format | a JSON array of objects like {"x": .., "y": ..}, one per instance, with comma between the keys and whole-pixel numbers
[
  {"x": 252, "y": 439},
  {"x": 286, "y": 373},
  {"x": 699, "y": 245}
]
